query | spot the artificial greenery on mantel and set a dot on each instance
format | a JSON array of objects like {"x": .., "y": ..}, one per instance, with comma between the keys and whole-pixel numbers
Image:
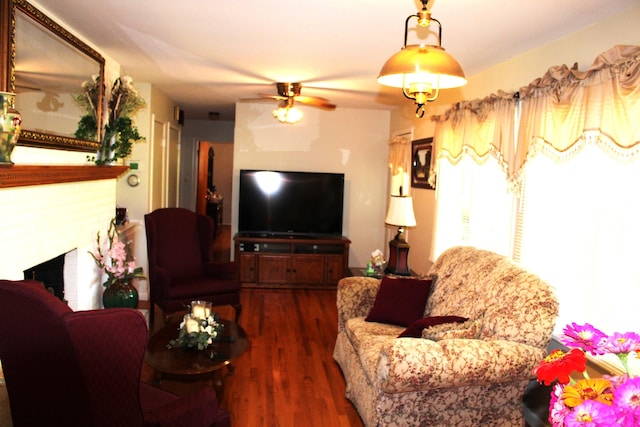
[{"x": 119, "y": 133}]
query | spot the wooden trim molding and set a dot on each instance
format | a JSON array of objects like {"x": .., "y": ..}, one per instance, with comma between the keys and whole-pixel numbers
[{"x": 25, "y": 175}]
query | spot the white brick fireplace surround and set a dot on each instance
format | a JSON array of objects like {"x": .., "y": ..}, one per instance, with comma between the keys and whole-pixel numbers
[{"x": 40, "y": 222}]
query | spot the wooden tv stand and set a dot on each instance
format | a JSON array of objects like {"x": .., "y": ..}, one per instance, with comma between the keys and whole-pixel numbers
[{"x": 291, "y": 262}]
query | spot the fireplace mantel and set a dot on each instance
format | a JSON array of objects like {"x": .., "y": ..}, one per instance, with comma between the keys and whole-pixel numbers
[{"x": 25, "y": 175}]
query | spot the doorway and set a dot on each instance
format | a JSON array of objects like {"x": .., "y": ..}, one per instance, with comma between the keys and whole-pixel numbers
[{"x": 215, "y": 170}]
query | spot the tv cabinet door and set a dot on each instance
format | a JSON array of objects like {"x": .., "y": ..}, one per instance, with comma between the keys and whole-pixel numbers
[
  {"x": 335, "y": 269},
  {"x": 273, "y": 269},
  {"x": 308, "y": 269},
  {"x": 247, "y": 268}
]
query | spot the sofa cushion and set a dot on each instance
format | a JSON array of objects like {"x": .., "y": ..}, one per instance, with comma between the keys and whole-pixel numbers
[
  {"x": 415, "y": 329},
  {"x": 400, "y": 301},
  {"x": 469, "y": 329}
]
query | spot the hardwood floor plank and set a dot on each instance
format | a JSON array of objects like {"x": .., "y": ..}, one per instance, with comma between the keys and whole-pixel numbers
[{"x": 287, "y": 377}]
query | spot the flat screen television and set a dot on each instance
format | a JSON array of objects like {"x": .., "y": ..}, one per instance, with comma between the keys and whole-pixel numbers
[{"x": 288, "y": 203}]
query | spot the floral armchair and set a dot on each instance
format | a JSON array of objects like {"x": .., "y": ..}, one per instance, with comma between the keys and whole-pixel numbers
[{"x": 472, "y": 374}]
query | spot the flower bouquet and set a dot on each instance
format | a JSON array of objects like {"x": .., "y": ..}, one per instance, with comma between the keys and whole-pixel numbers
[
  {"x": 606, "y": 401},
  {"x": 199, "y": 328},
  {"x": 117, "y": 262}
]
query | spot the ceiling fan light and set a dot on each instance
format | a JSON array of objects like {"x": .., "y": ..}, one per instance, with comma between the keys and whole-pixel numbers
[{"x": 289, "y": 115}]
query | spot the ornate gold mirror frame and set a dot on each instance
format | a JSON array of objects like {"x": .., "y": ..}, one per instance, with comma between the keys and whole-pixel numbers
[{"x": 46, "y": 75}]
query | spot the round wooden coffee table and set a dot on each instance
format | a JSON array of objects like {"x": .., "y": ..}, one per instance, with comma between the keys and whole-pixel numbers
[{"x": 195, "y": 365}]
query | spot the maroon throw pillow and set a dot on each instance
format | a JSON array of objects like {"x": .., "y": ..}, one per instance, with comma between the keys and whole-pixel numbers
[
  {"x": 415, "y": 329},
  {"x": 400, "y": 301}
]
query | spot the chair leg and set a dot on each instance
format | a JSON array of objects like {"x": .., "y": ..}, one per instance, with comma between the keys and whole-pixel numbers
[
  {"x": 238, "y": 309},
  {"x": 151, "y": 315}
]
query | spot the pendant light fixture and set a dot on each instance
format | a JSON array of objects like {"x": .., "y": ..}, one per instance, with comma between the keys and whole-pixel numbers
[{"x": 422, "y": 70}]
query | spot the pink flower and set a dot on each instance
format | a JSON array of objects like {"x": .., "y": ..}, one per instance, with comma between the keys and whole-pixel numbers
[
  {"x": 131, "y": 267},
  {"x": 117, "y": 264},
  {"x": 557, "y": 409},
  {"x": 585, "y": 337},
  {"x": 622, "y": 343},
  {"x": 627, "y": 402},
  {"x": 591, "y": 414}
]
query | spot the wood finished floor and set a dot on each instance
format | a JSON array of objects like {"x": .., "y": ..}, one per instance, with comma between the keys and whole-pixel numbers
[{"x": 288, "y": 376}]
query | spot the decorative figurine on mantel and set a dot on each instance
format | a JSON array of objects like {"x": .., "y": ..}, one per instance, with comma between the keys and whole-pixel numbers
[{"x": 119, "y": 132}]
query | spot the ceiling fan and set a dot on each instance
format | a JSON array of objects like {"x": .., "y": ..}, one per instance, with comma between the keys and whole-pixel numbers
[{"x": 290, "y": 92}]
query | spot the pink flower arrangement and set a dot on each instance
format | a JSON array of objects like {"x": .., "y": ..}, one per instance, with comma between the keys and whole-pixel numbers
[
  {"x": 117, "y": 263},
  {"x": 591, "y": 402}
]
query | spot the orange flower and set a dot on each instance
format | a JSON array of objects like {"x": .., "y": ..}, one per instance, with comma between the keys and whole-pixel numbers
[
  {"x": 559, "y": 365},
  {"x": 596, "y": 389}
]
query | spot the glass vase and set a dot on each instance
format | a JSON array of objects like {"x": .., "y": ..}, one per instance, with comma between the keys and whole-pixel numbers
[
  {"x": 10, "y": 126},
  {"x": 120, "y": 294}
]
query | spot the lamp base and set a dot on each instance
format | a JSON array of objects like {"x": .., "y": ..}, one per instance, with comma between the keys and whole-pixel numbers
[{"x": 398, "y": 258}]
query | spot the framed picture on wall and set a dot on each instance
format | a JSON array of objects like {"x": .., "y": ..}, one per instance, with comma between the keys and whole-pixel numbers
[{"x": 421, "y": 151}]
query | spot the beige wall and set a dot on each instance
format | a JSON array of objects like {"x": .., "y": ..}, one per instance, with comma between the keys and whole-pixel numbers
[
  {"x": 153, "y": 122},
  {"x": 349, "y": 141},
  {"x": 581, "y": 47}
]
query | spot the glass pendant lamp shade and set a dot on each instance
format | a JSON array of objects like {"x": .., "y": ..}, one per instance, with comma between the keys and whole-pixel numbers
[
  {"x": 422, "y": 70},
  {"x": 417, "y": 64}
]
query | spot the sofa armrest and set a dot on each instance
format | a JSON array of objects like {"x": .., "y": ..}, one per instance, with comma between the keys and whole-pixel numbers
[
  {"x": 412, "y": 364},
  {"x": 356, "y": 296}
]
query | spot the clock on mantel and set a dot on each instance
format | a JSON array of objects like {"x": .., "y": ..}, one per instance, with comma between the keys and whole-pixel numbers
[{"x": 25, "y": 175}]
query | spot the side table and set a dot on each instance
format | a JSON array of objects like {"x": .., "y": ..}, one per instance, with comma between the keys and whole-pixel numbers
[
  {"x": 361, "y": 272},
  {"x": 193, "y": 365}
]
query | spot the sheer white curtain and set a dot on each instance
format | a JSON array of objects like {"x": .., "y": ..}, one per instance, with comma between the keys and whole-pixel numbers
[
  {"x": 474, "y": 206},
  {"x": 581, "y": 232},
  {"x": 576, "y": 170},
  {"x": 475, "y": 149}
]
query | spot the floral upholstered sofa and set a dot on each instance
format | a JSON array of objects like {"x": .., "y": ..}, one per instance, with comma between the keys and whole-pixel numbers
[{"x": 469, "y": 373}]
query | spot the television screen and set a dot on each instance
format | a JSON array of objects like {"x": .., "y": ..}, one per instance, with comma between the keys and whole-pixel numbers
[{"x": 290, "y": 203}]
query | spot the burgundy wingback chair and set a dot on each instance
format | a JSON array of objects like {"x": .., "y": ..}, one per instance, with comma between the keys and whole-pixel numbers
[
  {"x": 181, "y": 269},
  {"x": 66, "y": 368}
]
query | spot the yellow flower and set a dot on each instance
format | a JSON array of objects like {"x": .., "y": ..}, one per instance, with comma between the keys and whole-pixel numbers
[{"x": 596, "y": 389}]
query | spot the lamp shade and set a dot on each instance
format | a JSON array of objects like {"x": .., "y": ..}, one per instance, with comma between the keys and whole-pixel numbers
[
  {"x": 400, "y": 212},
  {"x": 417, "y": 64}
]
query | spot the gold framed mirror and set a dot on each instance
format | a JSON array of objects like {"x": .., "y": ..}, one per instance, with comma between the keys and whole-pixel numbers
[{"x": 45, "y": 66}]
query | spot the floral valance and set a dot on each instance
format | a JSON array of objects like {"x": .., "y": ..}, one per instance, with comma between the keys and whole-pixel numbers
[
  {"x": 558, "y": 111},
  {"x": 563, "y": 107},
  {"x": 479, "y": 128},
  {"x": 399, "y": 152}
]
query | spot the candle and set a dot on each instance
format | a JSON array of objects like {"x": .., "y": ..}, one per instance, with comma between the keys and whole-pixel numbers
[
  {"x": 191, "y": 325},
  {"x": 198, "y": 311}
]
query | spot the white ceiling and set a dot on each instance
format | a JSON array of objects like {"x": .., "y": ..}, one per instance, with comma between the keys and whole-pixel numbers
[{"x": 208, "y": 54}]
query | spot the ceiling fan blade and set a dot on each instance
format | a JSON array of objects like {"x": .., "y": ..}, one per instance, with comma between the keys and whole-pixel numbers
[
  {"x": 264, "y": 98},
  {"x": 315, "y": 101},
  {"x": 275, "y": 97}
]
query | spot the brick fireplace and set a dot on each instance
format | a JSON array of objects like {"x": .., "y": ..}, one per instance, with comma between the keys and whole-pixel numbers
[{"x": 43, "y": 218}]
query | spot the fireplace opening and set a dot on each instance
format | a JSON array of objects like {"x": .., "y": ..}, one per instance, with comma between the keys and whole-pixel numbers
[{"x": 51, "y": 273}]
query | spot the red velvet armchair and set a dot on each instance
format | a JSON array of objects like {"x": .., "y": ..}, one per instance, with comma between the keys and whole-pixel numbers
[
  {"x": 181, "y": 269},
  {"x": 66, "y": 368}
]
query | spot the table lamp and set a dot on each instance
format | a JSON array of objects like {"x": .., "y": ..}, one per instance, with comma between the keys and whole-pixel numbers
[{"x": 400, "y": 214}]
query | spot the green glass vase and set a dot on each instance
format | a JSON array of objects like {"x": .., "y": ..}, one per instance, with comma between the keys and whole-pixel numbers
[
  {"x": 120, "y": 294},
  {"x": 10, "y": 127}
]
